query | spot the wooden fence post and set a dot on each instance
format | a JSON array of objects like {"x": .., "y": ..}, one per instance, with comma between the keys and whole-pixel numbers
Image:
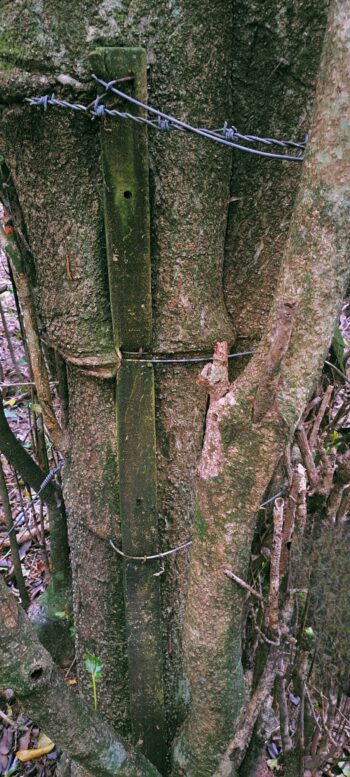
[{"x": 127, "y": 227}]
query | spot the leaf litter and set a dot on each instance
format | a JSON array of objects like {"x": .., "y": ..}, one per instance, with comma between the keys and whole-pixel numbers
[{"x": 24, "y": 750}]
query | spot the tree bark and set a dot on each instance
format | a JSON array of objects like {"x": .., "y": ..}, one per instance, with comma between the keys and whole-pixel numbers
[
  {"x": 28, "y": 669},
  {"x": 248, "y": 428},
  {"x": 55, "y": 160},
  {"x": 277, "y": 48},
  {"x": 56, "y": 165}
]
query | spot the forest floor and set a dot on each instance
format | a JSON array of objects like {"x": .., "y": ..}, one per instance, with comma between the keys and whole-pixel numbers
[{"x": 18, "y": 734}]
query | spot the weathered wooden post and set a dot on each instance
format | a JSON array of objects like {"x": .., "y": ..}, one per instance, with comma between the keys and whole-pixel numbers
[{"x": 127, "y": 227}]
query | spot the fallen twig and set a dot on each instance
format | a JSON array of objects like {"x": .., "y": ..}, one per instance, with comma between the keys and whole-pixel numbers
[
  {"x": 24, "y": 536},
  {"x": 8, "y": 720}
]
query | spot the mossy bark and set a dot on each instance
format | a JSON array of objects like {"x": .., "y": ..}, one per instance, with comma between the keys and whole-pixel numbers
[
  {"x": 55, "y": 160},
  {"x": 27, "y": 668},
  {"x": 277, "y": 48},
  {"x": 248, "y": 428},
  {"x": 56, "y": 164},
  {"x": 91, "y": 493}
]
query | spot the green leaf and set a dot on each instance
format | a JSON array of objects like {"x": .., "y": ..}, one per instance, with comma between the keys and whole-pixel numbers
[
  {"x": 35, "y": 407},
  {"x": 93, "y": 665},
  {"x": 309, "y": 632},
  {"x": 272, "y": 763},
  {"x": 14, "y": 769},
  {"x": 338, "y": 345}
]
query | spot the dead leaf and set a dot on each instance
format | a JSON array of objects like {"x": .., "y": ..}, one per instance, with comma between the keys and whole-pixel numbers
[
  {"x": 45, "y": 745},
  {"x": 25, "y": 739},
  {"x": 6, "y": 741}
]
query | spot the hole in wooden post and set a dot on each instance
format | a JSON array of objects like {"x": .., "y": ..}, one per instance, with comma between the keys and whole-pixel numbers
[
  {"x": 36, "y": 673},
  {"x": 127, "y": 195}
]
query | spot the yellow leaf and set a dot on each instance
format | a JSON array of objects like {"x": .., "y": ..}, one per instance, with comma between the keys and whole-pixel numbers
[
  {"x": 45, "y": 741},
  {"x": 72, "y": 682},
  {"x": 45, "y": 745}
]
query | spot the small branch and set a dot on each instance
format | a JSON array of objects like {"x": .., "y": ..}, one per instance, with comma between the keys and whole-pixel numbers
[
  {"x": 16, "y": 561},
  {"x": 279, "y": 342},
  {"x": 327, "y": 469},
  {"x": 344, "y": 507},
  {"x": 271, "y": 499},
  {"x": 267, "y": 640},
  {"x": 8, "y": 720},
  {"x": 306, "y": 453},
  {"x": 284, "y": 715},
  {"x": 240, "y": 741},
  {"x": 9, "y": 344},
  {"x": 37, "y": 360},
  {"x": 301, "y": 513},
  {"x": 319, "y": 417},
  {"x": 21, "y": 460},
  {"x": 289, "y": 521},
  {"x": 341, "y": 413},
  {"x": 288, "y": 464},
  {"x": 272, "y": 611},
  {"x": 15, "y": 385},
  {"x": 308, "y": 696},
  {"x": 22, "y": 537},
  {"x": 338, "y": 371},
  {"x": 341, "y": 483},
  {"x": 243, "y": 584}
]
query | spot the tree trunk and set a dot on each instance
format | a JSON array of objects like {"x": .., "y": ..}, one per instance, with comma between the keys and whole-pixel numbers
[
  {"x": 248, "y": 429},
  {"x": 277, "y": 47},
  {"x": 28, "y": 669},
  {"x": 55, "y": 161}
]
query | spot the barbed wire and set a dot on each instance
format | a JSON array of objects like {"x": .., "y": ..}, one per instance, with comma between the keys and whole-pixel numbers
[
  {"x": 18, "y": 520},
  {"x": 24, "y": 513},
  {"x": 134, "y": 356},
  {"x": 183, "y": 546},
  {"x": 226, "y": 135}
]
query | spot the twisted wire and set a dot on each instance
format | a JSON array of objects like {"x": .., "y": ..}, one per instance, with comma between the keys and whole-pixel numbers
[
  {"x": 24, "y": 513},
  {"x": 226, "y": 135}
]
